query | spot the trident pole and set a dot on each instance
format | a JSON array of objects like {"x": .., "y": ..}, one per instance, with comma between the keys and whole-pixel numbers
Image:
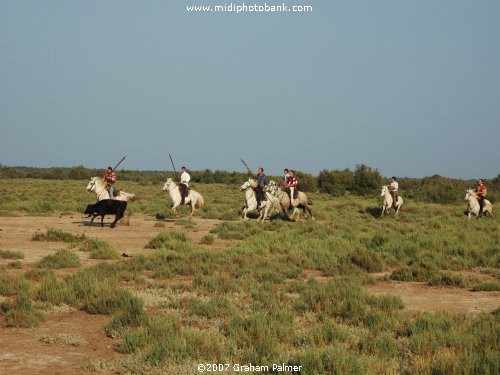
[
  {"x": 116, "y": 166},
  {"x": 246, "y": 166},
  {"x": 175, "y": 170}
]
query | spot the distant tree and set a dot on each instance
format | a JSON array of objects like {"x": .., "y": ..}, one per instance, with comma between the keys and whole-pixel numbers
[
  {"x": 335, "y": 182},
  {"x": 306, "y": 181},
  {"x": 366, "y": 180},
  {"x": 79, "y": 173}
]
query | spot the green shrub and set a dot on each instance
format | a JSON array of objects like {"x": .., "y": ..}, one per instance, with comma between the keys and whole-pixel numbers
[
  {"x": 22, "y": 313},
  {"x": 16, "y": 264},
  {"x": 10, "y": 254},
  {"x": 366, "y": 180},
  {"x": 56, "y": 235},
  {"x": 63, "y": 258},
  {"x": 336, "y": 182},
  {"x": 54, "y": 291},
  {"x": 168, "y": 240},
  {"x": 489, "y": 286},
  {"x": 104, "y": 253},
  {"x": 10, "y": 285},
  {"x": 207, "y": 239}
]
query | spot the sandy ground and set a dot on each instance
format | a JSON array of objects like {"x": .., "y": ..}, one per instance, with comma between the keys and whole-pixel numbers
[
  {"x": 22, "y": 352},
  {"x": 16, "y": 232},
  {"x": 419, "y": 296},
  {"x": 422, "y": 297}
]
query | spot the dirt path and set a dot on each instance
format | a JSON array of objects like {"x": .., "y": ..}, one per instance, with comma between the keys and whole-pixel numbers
[
  {"x": 22, "y": 351},
  {"x": 422, "y": 297},
  {"x": 419, "y": 296},
  {"x": 16, "y": 232}
]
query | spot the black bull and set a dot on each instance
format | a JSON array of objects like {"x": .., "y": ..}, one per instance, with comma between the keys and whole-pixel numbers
[{"x": 107, "y": 207}]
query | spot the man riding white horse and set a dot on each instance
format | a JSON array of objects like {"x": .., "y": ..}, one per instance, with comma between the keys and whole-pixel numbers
[
  {"x": 481, "y": 192},
  {"x": 193, "y": 198},
  {"x": 282, "y": 194},
  {"x": 269, "y": 201},
  {"x": 474, "y": 198},
  {"x": 261, "y": 187},
  {"x": 389, "y": 201},
  {"x": 184, "y": 184},
  {"x": 110, "y": 179},
  {"x": 394, "y": 190},
  {"x": 291, "y": 184}
]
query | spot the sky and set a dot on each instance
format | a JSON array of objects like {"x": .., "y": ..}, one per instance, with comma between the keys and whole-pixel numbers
[{"x": 409, "y": 87}]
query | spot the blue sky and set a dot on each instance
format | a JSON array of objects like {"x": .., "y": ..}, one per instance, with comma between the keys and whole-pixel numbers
[{"x": 410, "y": 87}]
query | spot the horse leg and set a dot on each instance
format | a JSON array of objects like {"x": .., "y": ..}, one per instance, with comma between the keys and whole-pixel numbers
[
  {"x": 383, "y": 209},
  {"x": 306, "y": 207},
  {"x": 192, "y": 210},
  {"x": 397, "y": 211},
  {"x": 176, "y": 204},
  {"x": 266, "y": 212}
]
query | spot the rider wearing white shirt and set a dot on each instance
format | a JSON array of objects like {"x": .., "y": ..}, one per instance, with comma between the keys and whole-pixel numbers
[
  {"x": 184, "y": 183},
  {"x": 394, "y": 190}
]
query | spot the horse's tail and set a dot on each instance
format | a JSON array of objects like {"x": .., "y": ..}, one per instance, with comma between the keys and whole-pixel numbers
[{"x": 200, "y": 201}]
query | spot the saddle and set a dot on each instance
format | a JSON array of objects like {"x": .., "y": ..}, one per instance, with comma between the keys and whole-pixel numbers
[{"x": 188, "y": 190}]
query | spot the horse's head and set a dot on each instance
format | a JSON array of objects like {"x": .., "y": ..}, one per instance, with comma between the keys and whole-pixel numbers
[
  {"x": 253, "y": 182},
  {"x": 469, "y": 194},
  {"x": 247, "y": 185},
  {"x": 273, "y": 188},
  {"x": 92, "y": 184},
  {"x": 384, "y": 191},
  {"x": 168, "y": 185}
]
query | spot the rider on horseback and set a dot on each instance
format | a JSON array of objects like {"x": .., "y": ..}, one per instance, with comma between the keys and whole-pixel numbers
[
  {"x": 291, "y": 184},
  {"x": 286, "y": 173},
  {"x": 261, "y": 186},
  {"x": 481, "y": 195},
  {"x": 394, "y": 191},
  {"x": 184, "y": 183},
  {"x": 110, "y": 179}
]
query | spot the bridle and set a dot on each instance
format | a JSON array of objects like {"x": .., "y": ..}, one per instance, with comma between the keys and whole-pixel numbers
[{"x": 169, "y": 186}]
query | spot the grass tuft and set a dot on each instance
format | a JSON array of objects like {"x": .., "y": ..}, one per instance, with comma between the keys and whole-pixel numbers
[
  {"x": 63, "y": 258},
  {"x": 11, "y": 254}
]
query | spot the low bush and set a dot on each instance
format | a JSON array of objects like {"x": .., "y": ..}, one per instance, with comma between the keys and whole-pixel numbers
[
  {"x": 63, "y": 258},
  {"x": 11, "y": 254}
]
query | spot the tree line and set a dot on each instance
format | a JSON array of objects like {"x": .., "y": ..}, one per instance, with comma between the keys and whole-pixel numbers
[{"x": 362, "y": 181}]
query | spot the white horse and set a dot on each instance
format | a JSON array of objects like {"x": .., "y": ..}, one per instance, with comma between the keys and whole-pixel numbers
[
  {"x": 251, "y": 201},
  {"x": 388, "y": 201},
  {"x": 284, "y": 201},
  {"x": 194, "y": 199},
  {"x": 98, "y": 186},
  {"x": 473, "y": 207}
]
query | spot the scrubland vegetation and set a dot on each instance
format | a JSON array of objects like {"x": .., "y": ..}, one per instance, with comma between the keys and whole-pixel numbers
[{"x": 182, "y": 303}]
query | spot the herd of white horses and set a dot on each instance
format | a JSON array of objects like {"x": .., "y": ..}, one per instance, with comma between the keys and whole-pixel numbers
[{"x": 276, "y": 199}]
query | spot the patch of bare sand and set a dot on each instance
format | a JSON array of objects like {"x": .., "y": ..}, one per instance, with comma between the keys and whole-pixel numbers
[
  {"x": 22, "y": 352},
  {"x": 422, "y": 297},
  {"x": 419, "y": 296},
  {"x": 16, "y": 233}
]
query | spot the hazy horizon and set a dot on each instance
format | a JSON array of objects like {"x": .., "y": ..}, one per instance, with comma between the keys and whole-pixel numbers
[
  {"x": 410, "y": 88},
  {"x": 120, "y": 168}
]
